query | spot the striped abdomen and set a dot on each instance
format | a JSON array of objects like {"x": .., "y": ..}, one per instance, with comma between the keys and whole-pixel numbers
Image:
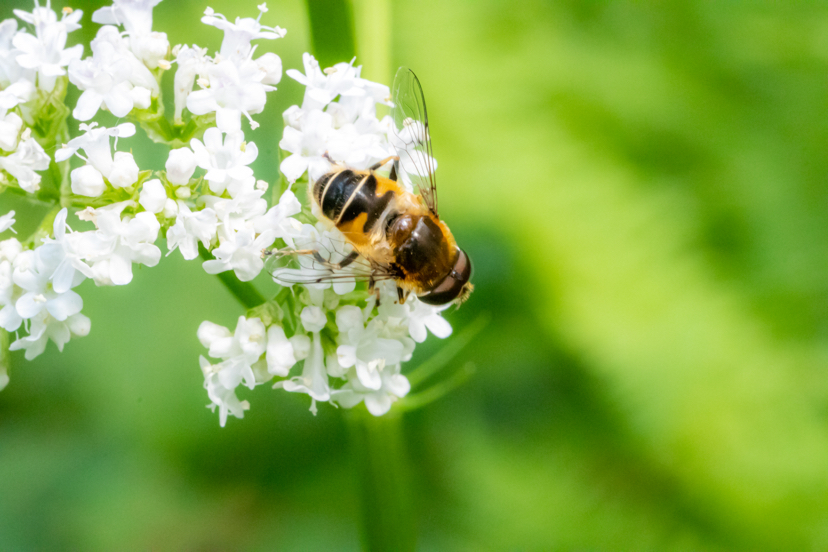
[{"x": 354, "y": 200}]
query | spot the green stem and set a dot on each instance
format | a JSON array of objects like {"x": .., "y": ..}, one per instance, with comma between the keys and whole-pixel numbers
[
  {"x": 379, "y": 457},
  {"x": 379, "y": 453},
  {"x": 247, "y": 295},
  {"x": 332, "y": 31},
  {"x": 44, "y": 229},
  {"x": 373, "y": 31},
  {"x": 5, "y": 359},
  {"x": 160, "y": 131}
]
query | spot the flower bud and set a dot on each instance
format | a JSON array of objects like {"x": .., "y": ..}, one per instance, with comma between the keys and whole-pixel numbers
[
  {"x": 301, "y": 346},
  {"x": 153, "y": 197},
  {"x": 271, "y": 64},
  {"x": 180, "y": 165},
  {"x": 170, "y": 209},
  {"x": 313, "y": 319},
  {"x": 141, "y": 97},
  {"x": 87, "y": 181},
  {"x": 292, "y": 116},
  {"x": 209, "y": 332},
  {"x": 9, "y": 129},
  {"x": 79, "y": 324},
  {"x": 150, "y": 48},
  {"x": 279, "y": 355},
  {"x": 9, "y": 249},
  {"x": 124, "y": 170}
]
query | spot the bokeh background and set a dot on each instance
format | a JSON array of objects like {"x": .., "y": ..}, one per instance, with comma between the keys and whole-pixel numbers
[{"x": 643, "y": 187}]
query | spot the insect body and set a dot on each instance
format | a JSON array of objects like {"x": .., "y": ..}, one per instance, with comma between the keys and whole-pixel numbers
[{"x": 395, "y": 234}]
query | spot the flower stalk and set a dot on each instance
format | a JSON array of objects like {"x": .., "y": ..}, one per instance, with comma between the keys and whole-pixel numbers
[
  {"x": 5, "y": 359},
  {"x": 381, "y": 465},
  {"x": 244, "y": 292}
]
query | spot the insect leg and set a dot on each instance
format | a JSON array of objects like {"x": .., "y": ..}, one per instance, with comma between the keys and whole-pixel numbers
[
  {"x": 394, "y": 170},
  {"x": 400, "y": 295},
  {"x": 283, "y": 253},
  {"x": 352, "y": 256},
  {"x": 375, "y": 166}
]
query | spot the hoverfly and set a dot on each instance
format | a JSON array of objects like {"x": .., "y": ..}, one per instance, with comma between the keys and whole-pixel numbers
[{"x": 392, "y": 234}]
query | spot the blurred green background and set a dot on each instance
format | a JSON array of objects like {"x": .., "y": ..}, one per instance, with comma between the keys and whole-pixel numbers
[{"x": 643, "y": 188}]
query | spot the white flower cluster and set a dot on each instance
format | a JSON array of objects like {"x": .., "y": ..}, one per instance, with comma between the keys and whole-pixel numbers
[
  {"x": 346, "y": 130},
  {"x": 119, "y": 170},
  {"x": 332, "y": 340},
  {"x": 30, "y": 65},
  {"x": 224, "y": 209},
  {"x": 360, "y": 361},
  {"x": 351, "y": 344},
  {"x": 232, "y": 82}
]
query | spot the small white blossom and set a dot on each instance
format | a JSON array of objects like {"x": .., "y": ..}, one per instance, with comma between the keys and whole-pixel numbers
[
  {"x": 321, "y": 88},
  {"x": 153, "y": 196},
  {"x": 191, "y": 61},
  {"x": 10, "y": 70},
  {"x": 189, "y": 229},
  {"x": 277, "y": 217},
  {"x": 226, "y": 162},
  {"x": 314, "y": 378},
  {"x": 105, "y": 80},
  {"x": 308, "y": 145},
  {"x": 119, "y": 242},
  {"x": 237, "y": 36},
  {"x": 151, "y": 49},
  {"x": 301, "y": 346},
  {"x": 87, "y": 181},
  {"x": 393, "y": 386},
  {"x": 223, "y": 398},
  {"x": 45, "y": 327},
  {"x": 10, "y": 123},
  {"x": 241, "y": 252},
  {"x": 45, "y": 51},
  {"x": 181, "y": 165},
  {"x": 95, "y": 142},
  {"x": 140, "y": 75},
  {"x": 7, "y": 222},
  {"x": 363, "y": 347},
  {"x": 232, "y": 89},
  {"x": 22, "y": 164},
  {"x": 134, "y": 15},
  {"x": 64, "y": 252},
  {"x": 34, "y": 277},
  {"x": 424, "y": 316},
  {"x": 10, "y": 319},
  {"x": 239, "y": 352},
  {"x": 10, "y": 126},
  {"x": 271, "y": 64},
  {"x": 124, "y": 170},
  {"x": 10, "y": 249},
  {"x": 280, "y": 352}
]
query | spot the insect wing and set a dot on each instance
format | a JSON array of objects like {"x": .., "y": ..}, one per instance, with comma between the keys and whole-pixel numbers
[
  {"x": 412, "y": 133},
  {"x": 328, "y": 261}
]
